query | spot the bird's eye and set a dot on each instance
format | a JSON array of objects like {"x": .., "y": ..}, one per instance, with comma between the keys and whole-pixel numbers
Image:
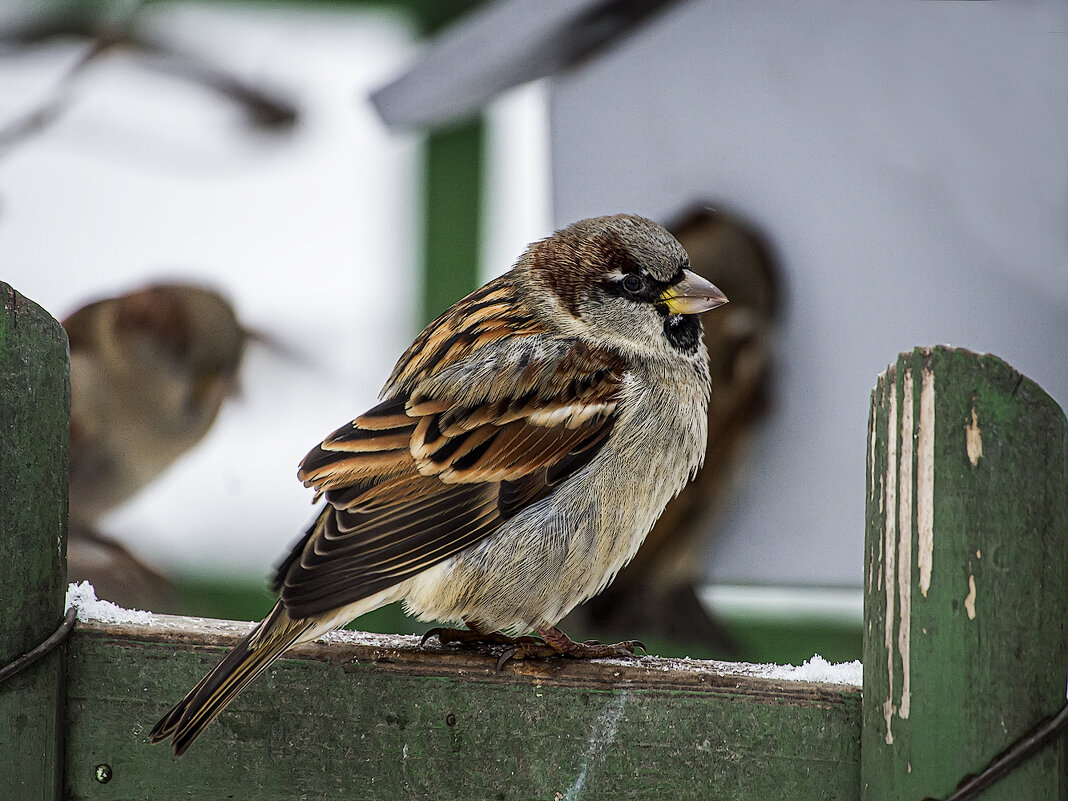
[{"x": 633, "y": 283}]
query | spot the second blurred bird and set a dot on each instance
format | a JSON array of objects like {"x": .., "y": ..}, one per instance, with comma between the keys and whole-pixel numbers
[
  {"x": 150, "y": 370},
  {"x": 658, "y": 593}
]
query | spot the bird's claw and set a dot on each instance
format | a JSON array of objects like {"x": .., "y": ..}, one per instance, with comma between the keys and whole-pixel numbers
[
  {"x": 505, "y": 657},
  {"x": 439, "y": 632},
  {"x": 595, "y": 649},
  {"x": 531, "y": 648},
  {"x": 521, "y": 648}
]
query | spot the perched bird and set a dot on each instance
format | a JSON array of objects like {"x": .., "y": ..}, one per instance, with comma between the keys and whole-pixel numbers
[
  {"x": 149, "y": 371},
  {"x": 525, "y": 444}
]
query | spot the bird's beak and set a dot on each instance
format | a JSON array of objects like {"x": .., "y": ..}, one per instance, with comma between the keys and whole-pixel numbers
[{"x": 692, "y": 295}]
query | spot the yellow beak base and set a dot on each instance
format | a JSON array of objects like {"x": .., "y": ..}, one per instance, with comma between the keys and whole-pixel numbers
[{"x": 692, "y": 295}]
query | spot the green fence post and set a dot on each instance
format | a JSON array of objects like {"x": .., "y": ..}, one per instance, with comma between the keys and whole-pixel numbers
[
  {"x": 34, "y": 439},
  {"x": 966, "y": 575},
  {"x": 453, "y": 215}
]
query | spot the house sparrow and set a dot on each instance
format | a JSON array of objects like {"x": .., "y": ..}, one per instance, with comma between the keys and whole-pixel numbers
[
  {"x": 656, "y": 593},
  {"x": 525, "y": 444},
  {"x": 149, "y": 371}
]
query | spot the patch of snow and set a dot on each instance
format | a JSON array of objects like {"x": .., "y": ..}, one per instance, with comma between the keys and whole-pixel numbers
[
  {"x": 349, "y": 637},
  {"x": 90, "y": 608},
  {"x": 816, "y": 669}
]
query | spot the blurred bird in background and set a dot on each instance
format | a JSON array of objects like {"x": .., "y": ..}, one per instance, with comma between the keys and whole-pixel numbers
[
  {"x": 657, "y": 594},
  {"x": 149, "y": 371}
]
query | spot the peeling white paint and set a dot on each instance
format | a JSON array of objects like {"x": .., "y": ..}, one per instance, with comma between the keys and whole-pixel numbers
[
  {"x": 871, "y": 573},
  {"x": 969, "y": 599},
  {"x": 925, "y": 438},
  {"x": 888, "y": 714},
  {"x": 882, "y": 505},
  {"x": 602, "y": 735},
  {"x": 889, "y": 557},
  {"x": 973, "y": 437},
  {"x": 871, "y": 452},
  {"x": 878, "y": 557},
  {"x": 904, "y": 544},
  {"x": 871, "y": 478}
]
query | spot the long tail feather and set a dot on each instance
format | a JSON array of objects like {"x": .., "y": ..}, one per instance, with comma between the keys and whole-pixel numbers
[{"x": 189, "y": 717}]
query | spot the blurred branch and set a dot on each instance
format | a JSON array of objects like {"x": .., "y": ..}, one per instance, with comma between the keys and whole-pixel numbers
[
  {"x": 49, "y": 109},
  {"x": 265, "y": 110}
]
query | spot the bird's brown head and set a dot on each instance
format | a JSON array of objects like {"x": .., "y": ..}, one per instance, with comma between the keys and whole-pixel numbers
[
  {"x": 624, "y": 277},
  {"x": 178, "y": 334},
  {"x": 191, "y": 324}
]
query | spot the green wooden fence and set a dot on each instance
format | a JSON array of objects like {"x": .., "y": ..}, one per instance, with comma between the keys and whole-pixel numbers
[{"x": 965, "y": 646}]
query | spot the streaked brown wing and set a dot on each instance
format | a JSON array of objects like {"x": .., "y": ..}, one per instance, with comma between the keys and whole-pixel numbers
[
  {"x": 417, "y": 478},
  {"x": 350, "y": 555}
]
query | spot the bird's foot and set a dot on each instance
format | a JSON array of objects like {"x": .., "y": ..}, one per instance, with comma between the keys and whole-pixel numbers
[
  {"x": 555, "y": 643},
  {"x": 492, "y": 640}
]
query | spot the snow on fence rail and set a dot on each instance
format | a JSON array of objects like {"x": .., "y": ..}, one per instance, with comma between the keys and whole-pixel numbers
[{"x": 966, "y": 575}]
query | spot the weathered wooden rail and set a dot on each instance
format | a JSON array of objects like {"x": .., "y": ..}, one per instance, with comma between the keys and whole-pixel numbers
[{"x": 965, "y": 646}]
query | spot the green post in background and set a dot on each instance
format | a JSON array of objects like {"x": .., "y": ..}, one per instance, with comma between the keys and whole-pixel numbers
[
  {"x": 34, "y": 445},
  {"x": 452, "y": 220},
  {"x": 966, "y": 578},
  {"x": 453, "y": 176}
]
